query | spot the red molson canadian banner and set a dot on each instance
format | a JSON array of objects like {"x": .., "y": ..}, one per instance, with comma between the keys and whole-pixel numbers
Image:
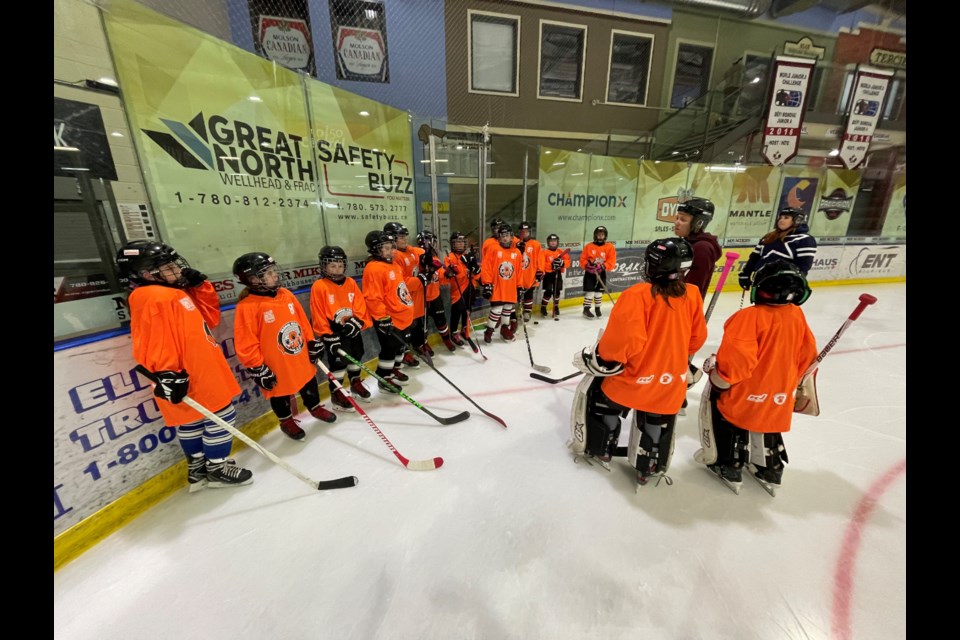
[
  {"x": 869, "y": 91},
  {"x": 781, "y": 134}
]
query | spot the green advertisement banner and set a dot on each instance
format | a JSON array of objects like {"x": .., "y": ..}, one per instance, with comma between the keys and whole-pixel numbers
[
  {"x": 895, "y": 223},
  {"x": 715, "y": 183},
  {"x": 661, "y": 187},
  {"x": 751, "y": 207},
  {"x": 563, "y": 195}
]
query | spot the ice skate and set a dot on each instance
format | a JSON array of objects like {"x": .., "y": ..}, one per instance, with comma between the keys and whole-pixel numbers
[
  {"x": 359, "y": 390},
  {"x": 652, "y": 476},
  {"x": 449, "y": 343},
  {"x": 729, "y": 476},
  {"x": 543, "y": 311},
  {"x": 291, "y": 428},
  {"x": 457, "y": 340},
  {"x": 196, "y": 472},
  {"x": 410, "y": 361},
  {"x": 506, "y": 333},
  {"x": 227, "y": 474},
  {"x": 399, "y": 378},
  {"x": 596, "y": 311},
  {"x": 769, "y": 479},
  {"x": 587, "y": 313},
  {"x": 488, "y": 335},
  {"x": 340, "y": 401}
]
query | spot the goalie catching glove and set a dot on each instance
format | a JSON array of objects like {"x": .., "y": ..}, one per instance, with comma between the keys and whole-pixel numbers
[{"x": 590, "y": 362}]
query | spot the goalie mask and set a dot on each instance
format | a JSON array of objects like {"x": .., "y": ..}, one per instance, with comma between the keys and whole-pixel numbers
[
  {"x": 259, "y": 272},
  {"x": 666, "y": 259},
  {"x": 779, "y": 282},
  {"x": 333, "y": 263},
  {"x": 140, "y": 258}
]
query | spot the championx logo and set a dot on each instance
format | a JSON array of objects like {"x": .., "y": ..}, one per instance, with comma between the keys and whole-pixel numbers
[
  {"x": 244, "y": 154},
  {"x": 570, "y": 199}
]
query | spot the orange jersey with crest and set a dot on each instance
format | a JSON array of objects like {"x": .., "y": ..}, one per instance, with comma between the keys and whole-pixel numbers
[
  {"x": 409, "y": 261},
  {"x": 170, "y": 331},
  {"x": 502, "y": 268},
  {"x": 764, "y": 351},
  {"x": 274, "y": 331},
  {"x": 607, "y": 255},
  {"x": 331, "y": 302},
  {"x": 460, "y": 282},
  {"x": 654, "y": 341},
  {"x": 493, "y": 243},
  {"x": 531, "y": 262},
  {"x": 388, "y": 293},
  {"x": 547, "y": 256}
]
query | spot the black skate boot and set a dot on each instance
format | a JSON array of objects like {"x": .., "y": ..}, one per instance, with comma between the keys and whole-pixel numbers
[
  {"x": 587, "y": 313},
  {"x": 227, "y": 474},
  {"x": 596, "y": 310},
  {"x": 196, "y": 472},
  {"x": 730, "y": 476}
]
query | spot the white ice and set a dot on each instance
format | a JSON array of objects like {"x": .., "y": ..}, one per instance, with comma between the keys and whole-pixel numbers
[{"x": 511, "y": 539}]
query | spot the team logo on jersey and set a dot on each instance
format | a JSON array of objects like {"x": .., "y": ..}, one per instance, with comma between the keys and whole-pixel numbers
[
  {"x": 290, "y": 338},
  {"x": 779, "y": 398},
  {"x": 340, "y": 315},
  {"x": 404, "y": 294},
  {"x": 666, "y": 378},
  {"x": 505, "y": 270},
  {"x": 526, "y": 261},
  {"x": 757, "y": 397},
  {"x": 187, "y": 303},
  {"x": 269, "y": 317},
  {"x": 644, "y": 379}
]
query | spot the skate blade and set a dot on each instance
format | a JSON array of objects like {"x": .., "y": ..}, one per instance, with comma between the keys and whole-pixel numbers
[
  {"x": 735, "y": 487},
  {"x": 769, "y": 488},
  {"x": 198, "y": 486},
  {"x": 344, "y": 409}
]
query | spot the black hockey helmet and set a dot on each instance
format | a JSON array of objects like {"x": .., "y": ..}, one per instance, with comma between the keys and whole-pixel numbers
[
  {"x": 425, "y": 239},
  {"x": 332, "y": 254},
  {"x": 596, "y": 232},
  {"x": 458, "y": 242},
  {"x": 495, "y": 224},
  {"x": 250, "y": 269},
  {"x": 375, "y": 241},
  {"x": 140, "y": 256},
  {"x": 396, "y": 229},
  {"x": 702, "y": 211},
  {"x": 779, "y": 282},
  {"x": 525, "y": 226},
  {"x": 553, "y": 241},
  {"x": 665, "y": 259},
  {"x": 799, "y": 217},
  {"x": 505, "y": 235}
]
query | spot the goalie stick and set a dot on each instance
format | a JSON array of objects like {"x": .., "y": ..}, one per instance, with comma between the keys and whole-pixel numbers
[
  {"x": 322, "y": 485},
  {"x": 806, "y": 401},
  {"x": 415, "y": 465},
  {"x": 460, "y": 417}
]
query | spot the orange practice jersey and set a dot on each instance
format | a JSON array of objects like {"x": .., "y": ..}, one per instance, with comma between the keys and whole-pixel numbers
[
  {"x": 654, "y": 340},
  {"x": 388, "y": 293},
  {"x": 501, "y": 268},
  {"x": 547, "y": 257},
  {"x": 764, "y": 351},
  {"x": 274, "y": 331},
  {"x": 170, "y": 331},
  {"x": 493, "y": 243},
  {"x": 460, "y": 282},
  {"x": 607, "y": 254},
  {"x": 334, "y": 303},
  {"x": 531, "y": 262},
  {"x": 409, "y": 261}
]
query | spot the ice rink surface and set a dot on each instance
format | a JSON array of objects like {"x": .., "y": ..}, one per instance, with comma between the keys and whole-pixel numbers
[{"x": 512, "y": 539}]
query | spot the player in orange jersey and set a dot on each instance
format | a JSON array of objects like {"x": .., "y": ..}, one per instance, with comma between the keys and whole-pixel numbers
[
  {"x": 640, "y": 363},
  {"x": 430, "y": 263},
  {"x": 500, "y": 276},
  {"x": 408, "y": 257},
  {"x": 172, "y": 309},
  {"x": 596, "y": 259},
  {"x": 275, "y": 343},
  {"x": 339, "y": 313},
  {"x": 532, "y": 273},
  {"x": 459, "y": 275},
  {"x": 754, "y": 375},
  {"x": 553, "y": 262}
]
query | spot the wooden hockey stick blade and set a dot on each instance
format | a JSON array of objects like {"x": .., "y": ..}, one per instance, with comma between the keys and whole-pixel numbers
[
  {"x": 424, "y": 465},
  {"x": 537, "y": 376}
]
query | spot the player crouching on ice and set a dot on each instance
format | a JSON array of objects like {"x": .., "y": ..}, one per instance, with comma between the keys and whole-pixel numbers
[
  {"x": 753, "y": 377},
  {"x": 640, "y": 363}
]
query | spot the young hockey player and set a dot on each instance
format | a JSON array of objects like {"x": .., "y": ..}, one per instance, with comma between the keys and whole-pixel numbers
[
  {"x": 172, "y": 311},
  {"x": 640, "y": 363},
  {"x": 532, "y": 274},
  {"x": 274, "y": 342},
  {"x": 339, "y": 313},
  {"x": 597, "y": 258},
  {"x": 408, "y": 259},
  {"x": 754, "y": 374},
  {"x": 691, "y": 222},
  {"x": 460, "y": 272},
  {"x": 389, "y": 298},
  {"x": 499, "y": 275},
  {"x": 493, "y": 241},
  {"x": 790, "y": 241},
  {"x": 430, "y": 262},
  {"x": 553, "y": 262}
]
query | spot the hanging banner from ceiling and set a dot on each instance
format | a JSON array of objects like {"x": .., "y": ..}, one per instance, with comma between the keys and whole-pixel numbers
[
  {"x": 781, "y": 133},
  {"x": 869, "y": 91}
]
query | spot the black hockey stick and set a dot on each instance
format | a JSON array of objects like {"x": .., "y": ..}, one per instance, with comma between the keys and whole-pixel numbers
[
  {"x": 322, "y": 485},
  {"x": 415, "y": 465},
  {"x": 526, "y": 337},
  {"x": 537, "y": 376},
  {"x": 460, "y": 417},
  {"x": 727, "y": 266},
  {"x": 429, "y": 362},
  {"x": 469, "y": 326}
]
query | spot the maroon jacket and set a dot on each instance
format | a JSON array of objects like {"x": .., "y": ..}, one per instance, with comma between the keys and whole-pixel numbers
[{"x": 706, "y": 252}]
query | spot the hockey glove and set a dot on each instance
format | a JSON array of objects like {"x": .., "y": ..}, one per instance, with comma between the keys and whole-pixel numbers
[
  {"x": 424, "y": 279},
  {"x": 590, "y": 362},
  {"x": 263, "y": 376},
  {"x": 539, "y": 276},
  {"x": 487, "y": 291},
  {"x": 557, "y": 264},
  {"x": 472, "y": 264},
  {"x": 521, "y": 246},
  {"x": 314, "y": 350},
  {"x": 744, "y": 280},
  {"x": 709, "y": 364},
  {"x": 331, "y": 342},
  {"x": 352, "y": 326},
  {"x": 384, "y": 326},
  {"x": 450, "y": 272},
  {"x": 193, "y": 277},
  {"x": 171, "y": 385},
  {"x": 693, "y": 375}
]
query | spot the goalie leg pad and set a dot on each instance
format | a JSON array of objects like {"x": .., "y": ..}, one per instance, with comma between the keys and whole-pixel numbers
[
  {"x": 603, "y": 421},
  {"x": 733, "y": 443},
  {"x": 578, "y": 417},
  {"x": 651, "y": 442}
]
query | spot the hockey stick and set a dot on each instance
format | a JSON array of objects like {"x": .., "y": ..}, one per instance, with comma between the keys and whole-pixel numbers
[
  {"x": 537, "y": 376},
  {"x": 430, "y": 364},
  {"x": 526, "y": 337},
  {"x": 415, "y": 465},
  {"x": 322, "y": 485},
  {"x": 460, "y": 417},
  {"x": 865, "y": 300},
  {"x": 469, "y": 326},
  {"x": 556, "y": 282},
  {"x": 727, "y": 266}
]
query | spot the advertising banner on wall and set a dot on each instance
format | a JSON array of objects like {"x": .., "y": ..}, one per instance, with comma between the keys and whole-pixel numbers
[
  {"x": 799, "y": 189},
  {"x": 286, "y": 41},
  {"x": 751, "y": 207},
  {"x": 715, "y": 183},
  {"x": 360, "y": 40},
  {"x": 562, "y": 196},
  {"x": 838, "y": 189},
  {"x": 895, "y": 222},
  {"x": 781, "y": 132},
  {"x": 662, "y": 185},
  {"x": 869, "y": 92}
]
